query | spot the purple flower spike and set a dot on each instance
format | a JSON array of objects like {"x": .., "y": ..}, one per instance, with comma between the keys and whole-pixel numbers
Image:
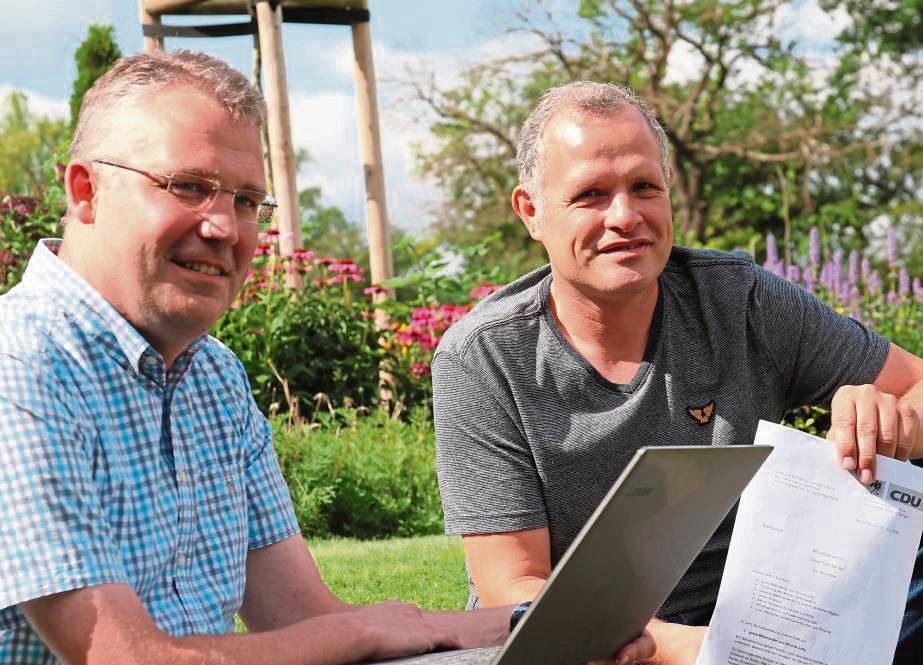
[
  {"x": 918, "y": 290},
  {"x": 874, "y": 283},
  {"x": 826, "y": 275},
  {"x": 809, "y": 281},
  {"x": 892, "y": 247},
  {"x": 772, "y": 251},
  {"x": 793, "y": 274},
  {"x": 853, "y": 275},
  {"x": 866, "y": 268},
  {"x": 814, "y": 251},
  {"x": 903, "y": 283}
]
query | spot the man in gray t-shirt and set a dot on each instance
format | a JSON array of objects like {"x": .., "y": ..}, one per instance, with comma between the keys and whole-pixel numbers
[{"x": 543, "y": 393}]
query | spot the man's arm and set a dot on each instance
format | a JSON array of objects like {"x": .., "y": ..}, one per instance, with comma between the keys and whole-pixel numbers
[
  {"x": 292, "y": 616},
  {"x": 274, "y": 599},
  {"x": 883, "y": 417}
]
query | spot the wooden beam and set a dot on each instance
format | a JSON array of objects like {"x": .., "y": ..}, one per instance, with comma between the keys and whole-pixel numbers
[
  {"x": 281, "y": 153},
  {"x": 376, "y": 208},
  {"x": 151, "y": 44},
  {"x": 206, "y": 7},
  {"x": 160, "y": 7}
]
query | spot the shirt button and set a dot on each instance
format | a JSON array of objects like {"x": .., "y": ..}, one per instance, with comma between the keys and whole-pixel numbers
[
  {"x": 181, "y": 560},
  {"x": 150, "y": 361},
  {"x": 182, "y": 477}
]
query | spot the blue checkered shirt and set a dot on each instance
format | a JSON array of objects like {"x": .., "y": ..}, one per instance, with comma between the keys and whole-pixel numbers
[{"x": 115, "y": 470}]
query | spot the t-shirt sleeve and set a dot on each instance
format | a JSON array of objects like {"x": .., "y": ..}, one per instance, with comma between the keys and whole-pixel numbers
[
  {"x": 55, "y": 534},
  {"x": 270, "y": 514},
  {"x": 487, "y": 475},
  {"x": 814, "y": 349}
]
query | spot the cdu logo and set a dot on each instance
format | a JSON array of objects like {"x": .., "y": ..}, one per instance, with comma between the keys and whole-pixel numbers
[{"x": 907, "y": 497}]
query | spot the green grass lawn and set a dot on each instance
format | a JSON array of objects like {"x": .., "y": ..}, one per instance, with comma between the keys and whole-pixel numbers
[{"x": 428, "y": 570}]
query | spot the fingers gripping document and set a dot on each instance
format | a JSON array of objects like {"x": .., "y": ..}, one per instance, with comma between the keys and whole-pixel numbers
[{"x": 819, "y": 564}]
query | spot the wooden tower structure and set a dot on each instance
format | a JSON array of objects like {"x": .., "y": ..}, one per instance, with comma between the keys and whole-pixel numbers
[{"x": 263, "y": 19}]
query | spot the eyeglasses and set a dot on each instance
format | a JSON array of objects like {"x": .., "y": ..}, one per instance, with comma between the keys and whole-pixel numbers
[{"x": 197, "y": 193}]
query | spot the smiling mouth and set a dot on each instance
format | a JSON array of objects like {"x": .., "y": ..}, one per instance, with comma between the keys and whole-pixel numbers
[
  {"x": 625, "y": 247},
  {"x": 202, "y": 268}
]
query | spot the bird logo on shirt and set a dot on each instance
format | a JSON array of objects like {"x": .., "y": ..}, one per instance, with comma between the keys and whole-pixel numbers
[{"x": 702, "y": 414}]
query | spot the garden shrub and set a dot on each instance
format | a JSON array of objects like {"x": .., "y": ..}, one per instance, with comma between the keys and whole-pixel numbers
[
  {"x": 24, "y": 220},
  {"x": 305, "y": 344},
  {"x": 362, "y": 474},
  {"x": 297, "y": 343}
]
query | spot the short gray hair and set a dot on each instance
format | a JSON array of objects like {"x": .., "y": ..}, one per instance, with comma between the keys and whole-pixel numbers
[
  {"x": 133, "y": 76},
  {"x": 585, "y": 97}
]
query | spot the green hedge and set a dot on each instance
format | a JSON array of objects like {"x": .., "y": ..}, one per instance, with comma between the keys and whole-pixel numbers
[{"x": 362, "y": 474}]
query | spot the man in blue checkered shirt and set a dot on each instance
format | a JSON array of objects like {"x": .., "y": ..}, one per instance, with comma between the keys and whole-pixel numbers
[{"x": 143, "y": 501}]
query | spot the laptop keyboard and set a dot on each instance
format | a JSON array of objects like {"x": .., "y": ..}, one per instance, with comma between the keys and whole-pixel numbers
[{"x": 464, "y": 657}]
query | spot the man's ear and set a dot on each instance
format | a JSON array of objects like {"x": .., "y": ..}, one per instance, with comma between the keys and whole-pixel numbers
[
  {"x": 525, "y": 209},
  {"x": 80, "y": 190}
]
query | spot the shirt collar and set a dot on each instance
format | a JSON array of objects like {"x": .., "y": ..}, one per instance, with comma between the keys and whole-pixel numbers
[{"x": 74, "y": 295}]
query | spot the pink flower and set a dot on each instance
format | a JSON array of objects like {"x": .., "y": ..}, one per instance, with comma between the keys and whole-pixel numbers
[
  {"x": 341, "y": 266},
  {"x": 302, "y": 254},
  {"x": 483, "y": 291},
  {"x": 420, "y": 370},
  {"x": 375, "y": 289}
]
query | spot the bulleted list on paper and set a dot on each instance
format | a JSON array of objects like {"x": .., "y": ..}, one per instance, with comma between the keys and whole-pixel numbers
[{"x": 819, "y": 564}]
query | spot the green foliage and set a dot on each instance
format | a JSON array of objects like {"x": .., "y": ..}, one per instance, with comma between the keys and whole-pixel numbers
[
  {"x": 95, "y": 55},
  {"x": 361, "y": 474},
  {"x": 27, "y": 142},
  {"x": 296, "y": 344},
  {"x": 26, "y": 219}
]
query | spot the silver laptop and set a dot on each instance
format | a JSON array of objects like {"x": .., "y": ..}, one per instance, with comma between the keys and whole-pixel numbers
[{"x": 627, "y": 558}]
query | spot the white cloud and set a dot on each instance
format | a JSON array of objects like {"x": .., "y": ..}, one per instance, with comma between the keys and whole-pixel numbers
[
  {"x": 809, "y": 25},
  {"x": 684, "y": 64},
  {"x": 22, "y": 23},
  {"x": 324, "y": 123},
  {"x": 40, "y": 104}
]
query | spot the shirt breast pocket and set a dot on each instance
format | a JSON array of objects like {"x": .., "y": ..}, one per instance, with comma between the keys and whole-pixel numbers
[{"x": 222, "y": 534}]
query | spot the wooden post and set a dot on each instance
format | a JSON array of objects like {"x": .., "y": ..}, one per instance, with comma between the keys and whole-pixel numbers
[
  {"x": 282, "y": 155},
  {"x": 151, "y": 44},
  {"x": 258, "y": 82},
  {"x": 376, "y": 209}
]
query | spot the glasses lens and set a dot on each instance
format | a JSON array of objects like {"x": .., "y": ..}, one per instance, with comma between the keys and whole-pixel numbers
[
  {"x": 191, "y": 190},
  {"x": 265, "y": 214},
  {"x": 248, "y": 204}
]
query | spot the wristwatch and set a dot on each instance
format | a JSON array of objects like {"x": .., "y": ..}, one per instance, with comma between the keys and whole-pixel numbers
[{"x": 518, "y": 611}]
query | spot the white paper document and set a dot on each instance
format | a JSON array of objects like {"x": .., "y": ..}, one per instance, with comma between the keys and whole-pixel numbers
[{"x": 819, "y": 564}]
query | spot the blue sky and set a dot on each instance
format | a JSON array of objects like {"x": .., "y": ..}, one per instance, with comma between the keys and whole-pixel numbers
[{"x": 38, "y": 39}]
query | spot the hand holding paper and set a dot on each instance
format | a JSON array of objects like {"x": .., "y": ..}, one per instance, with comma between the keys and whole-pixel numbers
[{"x": 819, "y": 564}]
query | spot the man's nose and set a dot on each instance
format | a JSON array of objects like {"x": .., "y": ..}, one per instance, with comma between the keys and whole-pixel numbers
[
  {"x": 622, "y": 214},
  {"x": 220, "y": 221}
]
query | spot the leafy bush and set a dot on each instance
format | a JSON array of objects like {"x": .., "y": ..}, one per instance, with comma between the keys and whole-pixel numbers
[
  {"x": 24, "y": 220},
  {"x": 361, "y": 474},
  {"x": 295, "y": 343}
]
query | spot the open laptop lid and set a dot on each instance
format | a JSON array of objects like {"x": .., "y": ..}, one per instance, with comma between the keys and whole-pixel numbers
[
  {"x": 631, "y": 553},
  {"x": 627, "y": 559}
]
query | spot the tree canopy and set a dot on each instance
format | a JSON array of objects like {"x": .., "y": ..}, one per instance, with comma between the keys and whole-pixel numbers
[
  {"x": 95, "y": 55},
  {"x": 767, "y": 132}
]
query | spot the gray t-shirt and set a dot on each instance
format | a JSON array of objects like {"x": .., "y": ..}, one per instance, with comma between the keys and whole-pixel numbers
[{"x": 530, "y": 435}]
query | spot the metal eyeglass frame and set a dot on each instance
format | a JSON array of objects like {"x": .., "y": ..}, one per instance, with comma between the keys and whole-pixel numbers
[{"x": 166, "y": 182}]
